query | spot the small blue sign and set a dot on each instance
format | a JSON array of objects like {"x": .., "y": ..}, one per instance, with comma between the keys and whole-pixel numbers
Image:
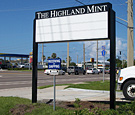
[
  {"x": 103, "y": 53},
  {"x": 54, "y": 63},
  {"x": 103, "y": 47}
]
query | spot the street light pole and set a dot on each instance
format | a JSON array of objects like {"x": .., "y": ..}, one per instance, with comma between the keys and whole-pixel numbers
[
  {"x": 84, "y": 56},
  {"x": 97, "y": 56},
  {"x": 42, "y": 54},
  {"x": 67, "y": 54}
]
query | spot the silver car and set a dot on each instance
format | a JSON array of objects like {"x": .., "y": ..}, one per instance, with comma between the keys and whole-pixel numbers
[
  {"x": 75, "y": 70},
  {"x": 92, "y": 71}
]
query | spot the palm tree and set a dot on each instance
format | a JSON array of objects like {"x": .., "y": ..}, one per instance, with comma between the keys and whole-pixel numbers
[
  {"x": 44, "y": 58},
  {"x": 49, "y": 58},
  {"x": 70, "y": 59},
  {"x": 53, "y": 55}
]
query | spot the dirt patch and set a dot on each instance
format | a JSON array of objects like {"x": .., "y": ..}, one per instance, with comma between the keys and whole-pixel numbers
[
  {"x": 22, "y": 109},
  {"x": 72, "y": 105},
  {"x": 83, "y": 104}
]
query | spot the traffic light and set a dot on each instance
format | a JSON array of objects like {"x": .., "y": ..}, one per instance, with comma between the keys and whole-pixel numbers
[
  {"x": 91, "y": 59},
  {"x": 120, "y": 52}
]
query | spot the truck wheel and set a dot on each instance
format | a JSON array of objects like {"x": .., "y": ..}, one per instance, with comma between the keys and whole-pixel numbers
[
  {"x": 69, "y": 73},
  {"x": 129, "y": 90}
]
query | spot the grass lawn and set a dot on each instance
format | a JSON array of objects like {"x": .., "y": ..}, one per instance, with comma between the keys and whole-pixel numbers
[
  {"x": 21, "y": 106},
  {"x": 47, "y": 86},
  {"x": 24, "y": 106},
  {"x": 6, "y": 103},
  {"x": 95, "y": 85}
]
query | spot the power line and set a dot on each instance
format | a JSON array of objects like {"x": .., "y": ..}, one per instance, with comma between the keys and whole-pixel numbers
[
  {"x": 80, "y": 2},
  {"x": 124, "y": 24}
]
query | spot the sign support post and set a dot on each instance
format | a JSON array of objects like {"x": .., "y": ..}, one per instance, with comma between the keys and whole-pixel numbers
[
  {"x": 54, "y": 83},
  {"x": 104, "y": 70},
  {"x": 103, "y": 54},
  {"x": 34, "y": 68},
  {"x": 54, "y": 65},
  {"x": 112, "y": 59}
]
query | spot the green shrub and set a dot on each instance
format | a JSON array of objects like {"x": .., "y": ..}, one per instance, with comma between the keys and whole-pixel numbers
[{"x": 77, "y": 102}]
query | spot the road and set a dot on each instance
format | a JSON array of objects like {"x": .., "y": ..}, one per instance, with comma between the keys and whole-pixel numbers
[{"x": 19, "y": 79}]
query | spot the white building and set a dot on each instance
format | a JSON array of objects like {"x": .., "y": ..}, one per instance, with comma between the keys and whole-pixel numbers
[{"x": 101, "y": 64}]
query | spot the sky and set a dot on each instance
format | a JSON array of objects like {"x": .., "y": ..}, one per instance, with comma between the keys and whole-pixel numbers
[{"x": 16, "y": 29}]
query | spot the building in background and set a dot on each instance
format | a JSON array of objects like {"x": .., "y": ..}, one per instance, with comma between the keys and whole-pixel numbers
[{"x": 101, "y": 64}]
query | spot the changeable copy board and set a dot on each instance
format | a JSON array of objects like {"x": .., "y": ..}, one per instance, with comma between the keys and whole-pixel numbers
[
  {"x": 54, "y": 63},
  {"x": 73, "y": 24}
]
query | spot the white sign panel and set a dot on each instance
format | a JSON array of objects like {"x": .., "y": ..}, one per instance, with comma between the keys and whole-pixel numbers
[{"x": 74, "y": 24}]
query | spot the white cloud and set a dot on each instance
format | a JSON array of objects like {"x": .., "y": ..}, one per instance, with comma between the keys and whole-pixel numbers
[{"x": 91, "y": 48}]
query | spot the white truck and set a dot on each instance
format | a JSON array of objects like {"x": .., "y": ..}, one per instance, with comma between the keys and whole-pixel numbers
[{"x": 126, "y": 82}]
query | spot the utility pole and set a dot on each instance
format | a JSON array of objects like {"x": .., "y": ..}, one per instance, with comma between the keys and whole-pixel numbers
[
  {"x": 67, "y": 54},
  {"x": 77, "y": 60},
  {"x": 130, "y": 38},
  {"x": 84, "y": 56},
  {"x": 97, "y": 56},
  {"x": 42, "y": 54}
]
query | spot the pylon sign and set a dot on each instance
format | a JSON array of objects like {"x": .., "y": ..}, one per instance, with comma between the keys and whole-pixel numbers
[{"x": 82, "y": 23}]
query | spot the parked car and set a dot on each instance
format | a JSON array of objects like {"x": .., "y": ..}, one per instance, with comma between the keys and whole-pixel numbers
[
  {"x": 64, "y": 69},
  {"x": 92, "y": 71},
  {"x": 4, "y": 66},
  {"x": 21, "y": 66},
  {"x": 60, "y": 72},
  {"x": 107, "y": 71},
  {"x": 126, "y": 82},
  {"x": 75, "y": 70},
  {"x": 47, "y": 71},
  {"x": 100, "y": 70}
]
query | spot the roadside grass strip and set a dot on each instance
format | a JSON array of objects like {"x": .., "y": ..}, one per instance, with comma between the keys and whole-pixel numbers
[{"x": 92, "y": 85}]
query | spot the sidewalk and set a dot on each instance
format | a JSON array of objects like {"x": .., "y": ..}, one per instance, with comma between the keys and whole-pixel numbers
[{"x": 62, "y": 94}]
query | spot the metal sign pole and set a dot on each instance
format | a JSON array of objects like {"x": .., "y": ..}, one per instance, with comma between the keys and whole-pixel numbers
[
  {"x": 54, "y": 82},
  {"x": 103, "y": 54},
  {"x": 104, "y": 69}
]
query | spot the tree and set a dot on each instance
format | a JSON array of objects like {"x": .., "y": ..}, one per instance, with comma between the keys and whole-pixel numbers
[
  {"x": 118, "y": 62},
  {"x": 63, "y": 61},
  {"x": 72, "y": 64},
  {"x": 70, "y": 59},
  {"x": 44, "y": 58},
  {"x": 53, "y": 55},
  {"x": 49, "y": 58}
]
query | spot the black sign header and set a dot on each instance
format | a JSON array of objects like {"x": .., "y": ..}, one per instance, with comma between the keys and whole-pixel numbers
[{"x": 73, "y": 11}]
